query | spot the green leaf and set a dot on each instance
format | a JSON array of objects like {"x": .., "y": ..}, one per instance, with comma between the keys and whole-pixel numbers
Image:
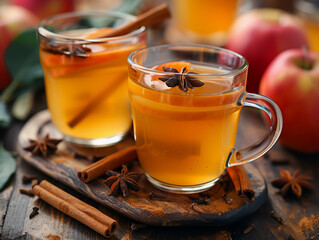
[
  {"x": 33, "y": 79},
  {"x": 7, "y": 166},
  {"x": 130, "y": 6},
  {"x": 5, "y": 117},
  {"x": 20, "y": 50},
  {"x": 22, "y": 59}
]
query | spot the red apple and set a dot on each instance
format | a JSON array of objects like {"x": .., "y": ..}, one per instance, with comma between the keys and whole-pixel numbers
[
  {"x": 5, "y": 40},
  {"x": 16, "y": 19},
  {"x": 260, "y": 35},
  {"x": 13, "y": 20},
  {"x": 292, "y": 81},
  {"x": 46, "y": 8}
]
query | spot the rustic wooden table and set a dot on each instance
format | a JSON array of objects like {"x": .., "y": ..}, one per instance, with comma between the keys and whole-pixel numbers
[{"x": 301, "y": 216}]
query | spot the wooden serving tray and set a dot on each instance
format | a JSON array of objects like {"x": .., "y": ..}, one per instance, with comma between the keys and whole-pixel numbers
[{"x": 174, "y": 210}]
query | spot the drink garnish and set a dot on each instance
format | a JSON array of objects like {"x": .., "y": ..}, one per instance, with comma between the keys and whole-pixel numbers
[
  {"x": 292, "y": 183},
  {"x": 43, "y": 146},
  {"x": 149, "y": 18},
  {"x": 122, "y": 182},
  {"x": 184, "y": 80},
  {"x": 75, "y": 50}
]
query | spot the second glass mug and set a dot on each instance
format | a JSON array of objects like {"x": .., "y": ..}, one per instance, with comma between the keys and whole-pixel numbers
[
  {"x": 86, "y": 76},
  {"x": 185, "y": 139},
  {"x": 204, "y": 20}
]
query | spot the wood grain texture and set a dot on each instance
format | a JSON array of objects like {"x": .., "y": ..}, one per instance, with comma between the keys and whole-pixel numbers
[
  {"x": 4, "y": 201},
  {"x": 175, "y": 210}
]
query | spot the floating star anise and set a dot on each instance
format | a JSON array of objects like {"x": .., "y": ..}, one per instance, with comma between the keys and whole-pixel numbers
[
  {"x": 122, "y": 182},
  {"x": 293, "y": 183},
  {"x": 76, "y": 50},
  {"x": 43, "y": 146},
  {"x": 184, "y": 80}
]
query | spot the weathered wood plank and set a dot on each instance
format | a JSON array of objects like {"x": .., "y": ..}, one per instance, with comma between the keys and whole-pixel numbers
[
  {"x": 17, "y": 210},
  {"x": 4, "y": 200}
]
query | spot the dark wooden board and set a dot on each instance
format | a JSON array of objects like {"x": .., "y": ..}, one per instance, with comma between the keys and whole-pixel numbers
[{"x": 173, "y": 211}]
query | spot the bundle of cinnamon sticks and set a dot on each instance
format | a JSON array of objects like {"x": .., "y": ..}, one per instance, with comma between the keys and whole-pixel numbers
[{"x": 75, "y": 208}]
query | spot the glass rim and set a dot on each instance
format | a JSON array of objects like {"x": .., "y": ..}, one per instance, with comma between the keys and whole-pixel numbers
[
  {"x": 49, "y": 34},
  {"x": 238, "y": 70}
]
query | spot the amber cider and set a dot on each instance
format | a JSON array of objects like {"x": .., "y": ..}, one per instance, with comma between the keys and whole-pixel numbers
[{"x": 184, "y": 138}]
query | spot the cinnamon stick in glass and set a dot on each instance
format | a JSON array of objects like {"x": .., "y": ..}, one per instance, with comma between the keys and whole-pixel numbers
[
  {"x": 151, "y": 17},
  {"x": 75, "y": 208},
  {"x": 109, "y": 162},
  {"x": 77, "y": 118},
  {"x": 241, "y": 181}
]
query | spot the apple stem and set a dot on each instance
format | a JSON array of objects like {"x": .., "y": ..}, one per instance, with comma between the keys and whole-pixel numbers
[{"x": 307, "y": 63}]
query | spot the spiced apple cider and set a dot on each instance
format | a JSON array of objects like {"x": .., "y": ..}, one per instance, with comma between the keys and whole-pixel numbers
[{"x": 86, "y": 77}]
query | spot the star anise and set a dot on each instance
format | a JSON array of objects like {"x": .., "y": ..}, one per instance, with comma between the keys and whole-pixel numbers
[
  {"x": 184, "y": 80},
  {"x": 72, "y": 49},
  {"x": 122, "y": 182},
  {"x": 43, "y": 146},
  {"x": 292, "y": 183}
]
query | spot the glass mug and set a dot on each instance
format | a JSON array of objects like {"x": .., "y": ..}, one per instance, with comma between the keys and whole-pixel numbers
[
  {"x": 309, "y": 12},
  {"x": 185, "y": 139},
  {"x": 204, "y": 20},
  {"x": 86, "y": 76}
]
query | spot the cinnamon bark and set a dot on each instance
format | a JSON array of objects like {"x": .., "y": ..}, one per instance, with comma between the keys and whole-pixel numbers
[
  {"x": 95, "y": 101},
  {"x": 75, "y": 208},
  {"x": 109, "y": 162},
  {"x": 151, "y": 17},
  {"x": 241, "y": 181}
]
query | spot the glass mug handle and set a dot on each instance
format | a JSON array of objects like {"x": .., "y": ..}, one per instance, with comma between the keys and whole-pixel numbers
[{"x": 251, "y": 153}]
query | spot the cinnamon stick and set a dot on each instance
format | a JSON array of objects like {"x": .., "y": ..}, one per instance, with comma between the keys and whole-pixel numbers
[
  {"x": 151, "y": 17},
  {"x": 26, "y": 192},
  {"x": 95, "y": 101},
  {"x": 241, "y": 181},
  {"x": 75, "y": 208},
  {"x": 112, "y": 161}
]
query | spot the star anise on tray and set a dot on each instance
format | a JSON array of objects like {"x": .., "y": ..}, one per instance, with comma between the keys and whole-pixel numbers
[
  {"x": 43, "y": 146},
  {"x": 72, "y": 49},
  {"x": 292, "y": 183},
  {"x": 184, "y": 80},
  {"x": 122, "y": 182}
]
